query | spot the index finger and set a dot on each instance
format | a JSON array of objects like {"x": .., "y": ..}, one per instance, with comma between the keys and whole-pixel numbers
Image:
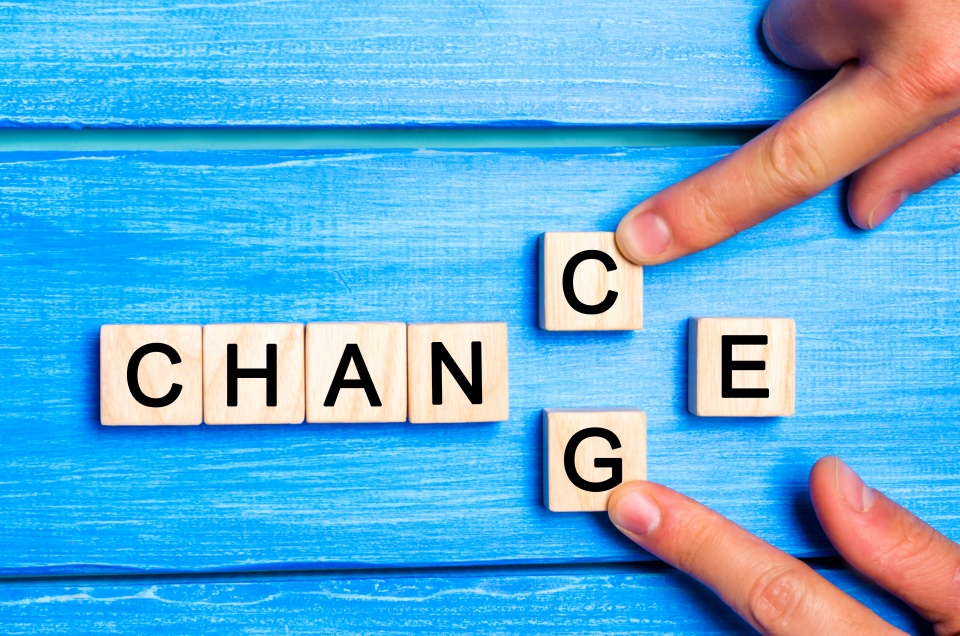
[
  {"x": 857, "y": 116},
  {"x": 774, "y": 592}
]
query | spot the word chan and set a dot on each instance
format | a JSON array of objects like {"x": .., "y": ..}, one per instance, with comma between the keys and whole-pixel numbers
[
  {"x": 741, "y": 367},
  {"x": 282, "y": 373},
  {"x": 587, "y": 285},
  {"x": 588, "y": 453}
]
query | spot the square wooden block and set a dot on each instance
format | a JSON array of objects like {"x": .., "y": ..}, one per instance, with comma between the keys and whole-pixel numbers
[
  {"x": 741, "y": 367},
  {"x": 588, "y": 453},
  {"x": 356, "y": 372},
  {"x": 151, "y": 374},
  {"x": 457, "y": 372},
  {"x": 253, "y": 374},
  {"x": 587, "y": 285}
]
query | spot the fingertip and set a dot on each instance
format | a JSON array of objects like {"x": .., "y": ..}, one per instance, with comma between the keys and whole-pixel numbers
[
  {"x": 823, "y": 479},
  {"x": 644, "y": 236},
  {"x": 619, "y": 492},
  {"x": 869, "y": 203},
  {"x": 791, "y": 31},
  {"x": 626, "y": 488},
  {"x": 870, "y": 215},
  {"x": 836, "y": 490},
  {"x": 634, "y": 510},
  {"x": 863, "y": 190},
  {"x": 824, "y": 467},
  {"x": 769, "y": 35},
  {"x": 886, "y": 207},
  {"x": 773, "y": 26},
  {"x": 822, "y": 484},
  {"x": 851, "y": 488}
]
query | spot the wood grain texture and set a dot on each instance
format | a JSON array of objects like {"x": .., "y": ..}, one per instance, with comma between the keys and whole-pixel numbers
[
  {"x": 629, "y": 428},
  {"x": 607, "y": 600},
  {"x": 380, "y": 347},
  {"x": 157, "y": 375},
  {"x": 254, "y": 403},
  {"x": 594, "y": 283},
  {"x": 478, "y": 351},
  {"x": 341, "y": 63},
  {"x": 206, "y": 237},
  {"x": 777, "y": 376}
]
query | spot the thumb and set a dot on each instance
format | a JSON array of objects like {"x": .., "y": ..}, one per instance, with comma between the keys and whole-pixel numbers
[{"x": 857, "y": 116}]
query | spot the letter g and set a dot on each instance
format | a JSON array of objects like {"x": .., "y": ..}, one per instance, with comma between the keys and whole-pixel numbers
[{"x": 615, "y": 464}]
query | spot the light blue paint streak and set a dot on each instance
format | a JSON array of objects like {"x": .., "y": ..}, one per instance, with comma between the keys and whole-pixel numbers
[{"x": 608, "y": 600}]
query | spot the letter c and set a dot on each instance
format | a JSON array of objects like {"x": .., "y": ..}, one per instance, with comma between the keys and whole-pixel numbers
[
  {"x": 571, "y": 268},
  {"x": 133, "y": 382},
  {"x": 615, "y": 464}
]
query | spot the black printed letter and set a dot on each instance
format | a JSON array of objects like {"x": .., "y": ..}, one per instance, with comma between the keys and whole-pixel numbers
[
  {"x": 571, "y": 268},
  {"x": 729, "y": 365},
  {"x": 133, "y": 383},
  {"x": 233, "y": 374},
  {"x": 615, "y": 464},
  {"x": 439, "y": 356},
  {"x": 365, "y": 382}
]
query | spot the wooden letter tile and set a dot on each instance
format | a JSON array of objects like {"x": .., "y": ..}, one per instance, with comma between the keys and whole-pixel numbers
[
  {"x": 457, "y": 372},
  {"x": 588, "y": 453},
  {"x": 253, "y": 374},
  {"x": 587, "y": 285},
  {"x": 741, "y": 367},
  {"x": 356, "y": 372},
  {"x": 151, "y": 374}
]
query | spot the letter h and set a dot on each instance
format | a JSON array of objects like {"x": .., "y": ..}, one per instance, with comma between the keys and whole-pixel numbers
[{"x": 234, "y": 373}]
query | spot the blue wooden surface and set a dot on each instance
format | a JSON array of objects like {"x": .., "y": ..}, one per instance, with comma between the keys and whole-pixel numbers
[
  {"x": 88, "y": 239},
  {"x": 572, "y": 601},
  {"x": 337, "y": 62}
]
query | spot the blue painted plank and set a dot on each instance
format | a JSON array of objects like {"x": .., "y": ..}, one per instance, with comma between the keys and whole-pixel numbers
[
  {"x": 440, "y": 236},
  {"x": 343, "y": 63},
  {"x": 577, "y": 601}
]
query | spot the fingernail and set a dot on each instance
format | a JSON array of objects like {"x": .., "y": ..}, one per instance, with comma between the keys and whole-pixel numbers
[
  {"x": 645, "y": 237},
  {"x": 886, "y": 207},
  {"x": 636, "y": 512},
  {"x": 852, "y": 489}
]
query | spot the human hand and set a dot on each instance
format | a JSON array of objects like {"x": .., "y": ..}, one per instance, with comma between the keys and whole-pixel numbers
[
  {"x": 780, "y": 595},
  {"x": 888, "y": 114}
]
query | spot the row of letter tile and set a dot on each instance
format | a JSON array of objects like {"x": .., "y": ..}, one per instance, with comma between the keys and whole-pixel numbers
[
  {"x": 391, "y": 372},
  {"x": 282, "y": 373}
]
